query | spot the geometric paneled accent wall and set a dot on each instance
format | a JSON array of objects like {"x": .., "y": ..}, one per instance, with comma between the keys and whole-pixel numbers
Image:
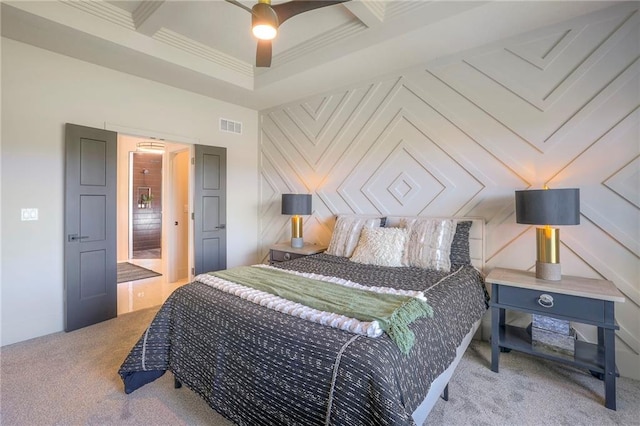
[{"x": 457, "y": 136}]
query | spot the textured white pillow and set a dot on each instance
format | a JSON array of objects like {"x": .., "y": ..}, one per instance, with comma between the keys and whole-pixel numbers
[
  {"x": 428, "y": 243},
  {"x": 380, "y": 246},
  {"x": 346, "y": 233}
]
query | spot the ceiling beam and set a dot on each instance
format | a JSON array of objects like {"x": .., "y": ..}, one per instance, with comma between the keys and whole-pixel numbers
[
  {"x": 370, "y": 13},
  {"x": 150, "y": 16}
]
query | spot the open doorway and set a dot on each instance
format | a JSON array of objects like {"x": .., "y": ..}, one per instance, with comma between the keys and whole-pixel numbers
[
  {"x": 145, "y": 218},
  {"x": 193, "y": 183},
  {"x": 152, "y": 224}
]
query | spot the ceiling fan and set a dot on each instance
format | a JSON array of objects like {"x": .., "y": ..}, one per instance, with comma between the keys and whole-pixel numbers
[{"x": 265, "y": 20}]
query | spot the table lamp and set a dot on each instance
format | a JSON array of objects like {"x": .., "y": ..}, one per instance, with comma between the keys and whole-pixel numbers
[
  {"x": 548, "y": 207},
  {"x": 296, "y": 205}
]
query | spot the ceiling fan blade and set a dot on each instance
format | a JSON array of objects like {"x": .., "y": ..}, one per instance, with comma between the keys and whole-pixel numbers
[
  {"x": 237, "y": 3},
  {"x": 295, "y": 7},
  {"x": 263, "y": 53}
]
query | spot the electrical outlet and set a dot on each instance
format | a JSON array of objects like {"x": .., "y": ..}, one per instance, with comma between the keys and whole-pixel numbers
[{"x": 29, "y": 214}]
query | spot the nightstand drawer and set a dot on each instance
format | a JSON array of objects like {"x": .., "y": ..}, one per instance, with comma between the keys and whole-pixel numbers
[
  {"x": 583, "y": 308},
  {"x": 282, "y": 256},
  {"x": 282, "y": 252}
]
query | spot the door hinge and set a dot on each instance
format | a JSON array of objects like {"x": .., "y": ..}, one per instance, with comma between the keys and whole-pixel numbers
[
  {"x": 193, "y": 161},
  {"x": 193, "y": 216},
  {"x": 193, "y": 271}
]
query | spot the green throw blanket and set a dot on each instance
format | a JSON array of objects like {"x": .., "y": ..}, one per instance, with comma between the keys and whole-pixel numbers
[{"x": 393, "y": 312}]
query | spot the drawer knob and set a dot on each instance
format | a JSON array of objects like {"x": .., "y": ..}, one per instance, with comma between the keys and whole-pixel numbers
[
  {"x": 545, "y": 300},
  {"x": 287, "y": 256}
]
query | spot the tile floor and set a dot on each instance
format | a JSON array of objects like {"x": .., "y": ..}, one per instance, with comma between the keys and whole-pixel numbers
[
  {"x": 142, "y": 294},
  {"x": 155, "y": 253}
]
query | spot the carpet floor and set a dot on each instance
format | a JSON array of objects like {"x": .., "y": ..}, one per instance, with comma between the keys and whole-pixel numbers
[
  {"x": 71, "y": 379},
  {"x": 130, "y": 272}
]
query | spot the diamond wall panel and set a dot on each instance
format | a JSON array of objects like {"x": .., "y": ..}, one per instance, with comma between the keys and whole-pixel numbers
[{"x": 457, "y": 137}]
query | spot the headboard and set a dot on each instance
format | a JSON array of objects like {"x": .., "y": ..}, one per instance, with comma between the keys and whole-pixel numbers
[{"x": 476, "y": 236}]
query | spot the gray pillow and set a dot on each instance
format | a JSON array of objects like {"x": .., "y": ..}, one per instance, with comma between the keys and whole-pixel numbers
[
  {"x": 428, "y": 242},
  {"x": 460, "y": 244},
  {"x": 346, "y": 233}
]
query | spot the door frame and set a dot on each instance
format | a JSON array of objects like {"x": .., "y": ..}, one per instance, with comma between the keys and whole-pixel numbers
[
  {"x": 178, "y": 139},
  {"x": 128, "y": 146},
  {"x": 129, "y": 202},
  {"x": 167, "y": 138},
  {"x": 170, "y": 236}
]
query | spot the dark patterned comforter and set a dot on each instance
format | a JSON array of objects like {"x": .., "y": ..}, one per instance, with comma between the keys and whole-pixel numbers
[{"x": 256, "y": 366}]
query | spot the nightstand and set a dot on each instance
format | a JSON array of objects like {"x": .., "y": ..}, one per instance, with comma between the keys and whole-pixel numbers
[
  {"x": 282, "y": 252},
  {"x": 575, "y": 299}
]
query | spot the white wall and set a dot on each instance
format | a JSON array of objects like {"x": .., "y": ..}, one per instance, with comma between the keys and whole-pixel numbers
[
  {"x": 41, "y": 91},
  {"x": 458, "y": 136}
]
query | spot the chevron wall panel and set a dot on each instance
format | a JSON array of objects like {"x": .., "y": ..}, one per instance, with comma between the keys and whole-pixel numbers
[{"x": 457, "y": 136}]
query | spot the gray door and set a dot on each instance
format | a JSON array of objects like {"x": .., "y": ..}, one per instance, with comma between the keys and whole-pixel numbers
[
  {"x": 90, "y": 226},
  {"x": 210, "y": 209}
]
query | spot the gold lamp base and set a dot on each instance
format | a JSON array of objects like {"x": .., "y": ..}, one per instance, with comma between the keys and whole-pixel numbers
[
  {"x": 548, "y": 254},
  {"x": 296, "y": 232}
]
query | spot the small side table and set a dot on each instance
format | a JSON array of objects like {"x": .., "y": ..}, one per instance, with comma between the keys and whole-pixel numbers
[
  {"x": 576, "y": 299},
  {"x": 282, "y": 252}
]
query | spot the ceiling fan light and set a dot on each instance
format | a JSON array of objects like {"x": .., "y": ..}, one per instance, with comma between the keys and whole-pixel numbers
[
  {"x": 264, "y": 21},
  {"x": 264, "y": 32}
]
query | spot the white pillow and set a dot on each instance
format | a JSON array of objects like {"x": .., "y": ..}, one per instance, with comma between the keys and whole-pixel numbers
[
  {"x": 380, "y": 246},
  {"x": 346, "y": 233},
  {"x": 428, "y": 243}
]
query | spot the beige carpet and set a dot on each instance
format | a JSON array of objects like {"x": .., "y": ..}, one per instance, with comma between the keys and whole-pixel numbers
[
  {"x": 532, "y": 392},
  {"x": 71, "y": 379}
]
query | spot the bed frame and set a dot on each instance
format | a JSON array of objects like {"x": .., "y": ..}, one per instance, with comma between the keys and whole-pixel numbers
[{"x": 440, "y": 386}]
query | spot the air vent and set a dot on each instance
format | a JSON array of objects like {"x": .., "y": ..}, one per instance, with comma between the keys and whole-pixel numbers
[{"x": 230, "y": 126}]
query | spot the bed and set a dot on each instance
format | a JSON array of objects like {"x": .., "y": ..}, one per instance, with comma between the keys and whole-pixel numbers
[{"x": 259, "y": 366}]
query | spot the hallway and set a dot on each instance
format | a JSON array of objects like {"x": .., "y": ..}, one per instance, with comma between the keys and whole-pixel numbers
[{"x": 153, "y": 190}]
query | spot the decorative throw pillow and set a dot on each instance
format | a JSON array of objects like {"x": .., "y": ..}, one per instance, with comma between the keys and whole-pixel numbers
[
  {"x": 429, "y": 243},
  {"x": 346, "y": 233},
  {"x": 460, "y": 244},
  {"x": 380, "y": 246}
]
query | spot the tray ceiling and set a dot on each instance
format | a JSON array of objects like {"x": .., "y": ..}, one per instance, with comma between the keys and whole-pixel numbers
[{"x": 206, "y": 46}]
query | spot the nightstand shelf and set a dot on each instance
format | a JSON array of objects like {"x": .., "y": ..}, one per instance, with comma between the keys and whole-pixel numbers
[
  {"x": 573, "y": 299},
  {"x": 587, "y": 355}
]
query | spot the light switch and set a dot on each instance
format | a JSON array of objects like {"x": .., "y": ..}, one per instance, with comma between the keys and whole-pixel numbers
[{"x": 30, "y": 214}]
